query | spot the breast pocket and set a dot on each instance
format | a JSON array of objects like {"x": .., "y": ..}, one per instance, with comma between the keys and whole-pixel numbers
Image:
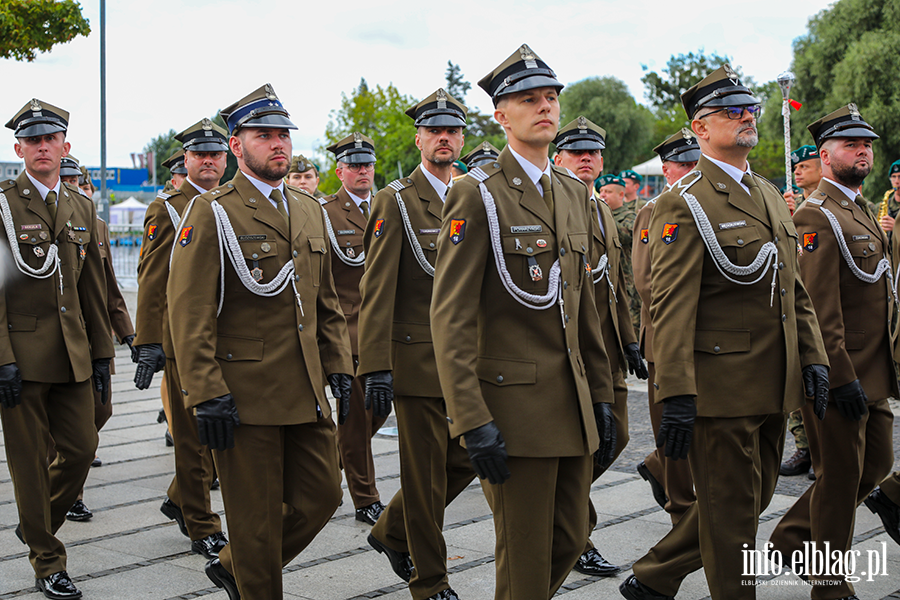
[
  {"x": 579, "y": 244},
  {"x": 865, "y": 252},
  {"x": 349, "y": 244},
  {"x": 34, "y": 250},
  {"x": 76, "y": 246},
  {"x": 260, "y": 257},
  {"x": 740, "y": 244},
  {"x": 428, "y": 242},
  {"x": 528, "y": 260}
]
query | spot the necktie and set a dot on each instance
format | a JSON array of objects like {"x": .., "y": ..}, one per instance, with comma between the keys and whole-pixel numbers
[
  {"x": 279, "y": 204},
  {"x": 51, "y": 205},
  {"x": 750, "y": 182},
  {"x": 364, "y": 205},
  {"x": 548, "y": 191}
]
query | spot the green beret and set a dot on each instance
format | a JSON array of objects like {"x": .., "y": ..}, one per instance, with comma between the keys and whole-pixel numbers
[
  {"x": 461, "y": 166},
  {"x": 803, "y": 153},
  {"x": 895, "y": 167},
  {"x": 611, "y": 179},
  {"x": 629, "y": 174}
]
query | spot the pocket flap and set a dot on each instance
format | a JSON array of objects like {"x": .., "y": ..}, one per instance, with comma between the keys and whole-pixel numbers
[
  {"x": 722, "y": 341},
  {"x": 20, "y": 322},
  {"x": 854, "y": 340},
  {"x": 505, "y": 371},
  {"x": 232, "y": 348},
  {"x": 578, "y": 242},
  {"x": 790, "y": 229},
  {"x": 738, "y": 237},
  {"x": 411, "y": 333},
  {"x": 317, "y": 244},
  {"x": 255, "y": 250},
  {"x": 527, "y": 244}
]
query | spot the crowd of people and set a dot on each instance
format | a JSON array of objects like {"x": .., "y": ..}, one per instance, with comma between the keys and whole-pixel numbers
[{"x": 495, "y": 302}]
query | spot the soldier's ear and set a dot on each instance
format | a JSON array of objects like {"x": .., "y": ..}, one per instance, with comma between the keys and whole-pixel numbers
[
  {"x": 700, "y": 129},
  {"x": 234, "y": 142},
  {"x": 66, "y": 147}
]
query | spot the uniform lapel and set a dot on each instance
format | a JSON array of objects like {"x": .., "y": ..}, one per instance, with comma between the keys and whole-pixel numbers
[
  {"x": 427, "y": 192},
  {"x": 561, "y": 202},
  {"x": 521, "y": 187},
  {"x": 297, "y": 212},
  {"x": 33, "y": 199},
  {"x": 854, "y": 211},
  {"x": 264, "y": 212},
  {"x": 352, "y": 212},
  {"x": 64, "y": 210},
  {"x": 737, "y": 197}
]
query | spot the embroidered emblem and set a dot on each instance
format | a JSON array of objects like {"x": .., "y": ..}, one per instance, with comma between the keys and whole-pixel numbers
[
  {"x": 256, "y": 273},
  {"x": 379, "y": 227},
  {"x": 151, "y": 232},
  {"x": 810, "y": 241},
  {"x": 186, "y": 234},
  {"x": 23, "y": 236},
  {"x": 457, "y": 230},
  {"x": 670, "y": 232},
  {"x": 645, "y": 236},
  {"x": 541, "y": 243}
]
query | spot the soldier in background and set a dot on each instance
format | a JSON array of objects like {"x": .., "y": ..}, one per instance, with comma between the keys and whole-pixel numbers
[
  {"x": 305, "y": 175},
  {"x": 187, "y": 499},
  {"x": 670, "y": 480},
  {"x": 611, "y": 189},
  {"x": 807, "y": 174},
  {"x": 483, "y": 154},
  {"x": 633, "y": 183},
  {"x": 347, "y": 213},
  {"x": 56, "y": 341},
  {"x": 579, "y": 148},
  {"x": 175, "y": 165}
]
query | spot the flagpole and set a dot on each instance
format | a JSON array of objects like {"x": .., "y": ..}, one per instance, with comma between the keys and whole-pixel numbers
[{"x": 785, "y": 80}]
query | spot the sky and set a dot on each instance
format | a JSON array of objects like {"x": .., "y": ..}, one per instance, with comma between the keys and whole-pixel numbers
[{"x": 172, "y": 62}]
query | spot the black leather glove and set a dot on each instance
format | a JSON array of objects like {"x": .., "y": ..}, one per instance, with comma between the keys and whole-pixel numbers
[
  {"x": 379, "y": 392},
  {"x": 10, "y": 386},
  {"x": 487, "y": 451},
  {"x": 815, "y": 380},
  {"x": 636, "y": 364},
  {"x": 101, "y": 378},
  {"x": 606, "y": 427},
  {"x": 151, "y": 359},
  {"x": 340, "y": 389},
  {"x": 216, "y": 420},
  {"x": 676, "y": 427},
  {"x": 851, "y": 400},
  {"x": 128, "y": 340}
]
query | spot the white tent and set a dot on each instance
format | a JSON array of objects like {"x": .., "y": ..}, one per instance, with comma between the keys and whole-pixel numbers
[
  {"x": 129, "y": 212},
  {"x": 651, "y": 167}
]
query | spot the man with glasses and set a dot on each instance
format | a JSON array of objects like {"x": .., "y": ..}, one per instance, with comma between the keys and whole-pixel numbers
[
  {"x": 736, "y": 343},
  {"x": 348, "y": 211}
]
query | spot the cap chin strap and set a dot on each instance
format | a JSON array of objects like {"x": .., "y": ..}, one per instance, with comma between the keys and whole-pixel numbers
[
  {"x": 351, "y": 262},
  {"x": 51, "y": 262}
]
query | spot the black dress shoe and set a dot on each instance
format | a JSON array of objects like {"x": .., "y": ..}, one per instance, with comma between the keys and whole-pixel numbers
[
  {"x": 591, "y": 563},
  {"x": 19, "y": 533},
  {"x": 659, "y": 493},
  {"x": 633, "y": 589},
  {"x": 222, "y": 578},
  {"x": 811, "y": 475},
  {"x": 798, "y": 464},
  {"x": 58, "y": 585},
  {"x": 887, "y": 511},
  {"x": 210, "y": 546},
  {"x": 172, "y": 510},
  {"x": 169, "y": 441},
  {"x": 215, "y": 484},
  {"x": 369, "y": 514},
  {"x": 447, "y": 594},
  {"x": 96, "y": 462},
  {"x": 401, "y": 563},
  {"x": 79, "y": 512}
]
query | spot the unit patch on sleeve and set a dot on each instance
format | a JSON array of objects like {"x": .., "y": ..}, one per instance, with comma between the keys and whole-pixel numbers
[
  {"x": 186, "y": 234},
  {"x": 645, "y": 235},
  {"x": 670, "y": 232},
  {"x": 457, "y": 230},
  {"x": 810, "y": 241},
  {"x": 151, "y": 231},
  {"x": 379, "y": 227}
]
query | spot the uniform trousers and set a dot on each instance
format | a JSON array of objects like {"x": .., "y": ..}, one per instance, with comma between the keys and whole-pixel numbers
[
  {"x": 673, "y": 475},
  {"x": 355, "y": 444},
  {"x": 64, "y": 411},
  {"x": 269, "y": 467},
  {"x": 620, "y": 414},
  {"x": 735, "y": 464},
  {"x": 194, "y": 471},
  {"x": 850, "y": 459},
  {"x": 434, "y": 469},
  {"x": 540, "y": 524},
  {"x": 891, "y": 487}
]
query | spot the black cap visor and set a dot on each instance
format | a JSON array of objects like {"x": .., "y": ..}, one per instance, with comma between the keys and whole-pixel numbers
[
  {"x": 36, "y": 129},
  {"x": 271, "y": 120},
  {"x": 849, "y": 132},
  {"x": 357, "y": 158},
  {"x": 206, "y": 146},
  {"x": 440, "y": 120},
  {"x": 683, "y": 156},
  {"x": 581, "y": 143}
]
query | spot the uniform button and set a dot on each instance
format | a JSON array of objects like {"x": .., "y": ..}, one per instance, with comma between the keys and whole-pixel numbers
[
  {"x": 570, "y": 350},
  {"x": 295, "y": 254},
  {"x": 529, "y": 250},
  {"x": 780, "y": 266},
  {"x": 300, "y": 327},
  {"x": 63, "y": 309},
  {"x": 296, "y": 278},
  {"x": 499, "y": 378},
  {"x": 431, "y": 244},
  {"x": 228, "y": 357},
  {"x": 409, "y": 338},
  {"x": 567, "y": 318},
  {"x": 565, "y": 285},
  {"x": 716, "y": 349},
  {"x": 783, "y": 292},
  {"x": 783, "y": 318},
  {"x": 184, "y": 392},
  {"x": 562, "y": 251},
  {"x": 255, "y": 255},
  {"x": 740, "y": 241},
  {"x": 349, "y": 244},
  {"x": 776, "y": 239}
]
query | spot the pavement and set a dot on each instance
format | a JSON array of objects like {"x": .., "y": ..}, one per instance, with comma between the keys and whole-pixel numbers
[{"x": 130, "y": 550}]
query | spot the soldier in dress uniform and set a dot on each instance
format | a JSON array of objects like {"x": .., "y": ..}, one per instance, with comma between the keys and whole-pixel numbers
[
  {"x": 670, "y": 480},
  {"x": 517, "y": 337},
  {"x": 347, "y": 212},
  {"x": 483, "y": 154},
  {"x": 579, "y": 148},
  {"x": 85, "y": 183},
  {"x": 737, "y": 308},
  {"x": 259, "y": 349},
  {"x": 611, "y": 189},
  {"x": 175, "y": 165},
  {"x": 397, "y": 356},
  {"x": 304, "y": 174},
  {"x": 846, "y": 269},
  {"x": 205, "y": 153},
  {"x": 56, "y": 344}
]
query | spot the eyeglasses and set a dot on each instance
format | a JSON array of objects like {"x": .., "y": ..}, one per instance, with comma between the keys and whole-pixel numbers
[
  {"x": 736, "y": 112},
  {"x": 357, "y": 167}
]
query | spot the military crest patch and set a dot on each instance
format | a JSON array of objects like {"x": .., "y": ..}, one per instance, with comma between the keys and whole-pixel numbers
[
  {"x": 645, "y": 236},
  {"x": 151, "y": 232},
  {"x": 379, "y": 227},
  {"x": 187, "y": 233},
  {"x": 457, "y": 230},
  {"x": 810, "y": 241},
  {"x": 670, "y": 232}
]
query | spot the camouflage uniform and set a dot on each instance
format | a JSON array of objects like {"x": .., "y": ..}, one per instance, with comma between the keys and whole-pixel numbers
[
  {"x": 625, "y": 216},
  {"x": 795, "y": 426}
]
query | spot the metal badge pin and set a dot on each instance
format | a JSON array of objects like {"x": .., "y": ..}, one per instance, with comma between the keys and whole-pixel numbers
[
  {"x": 265, "y": 247},
  {"x": 516, "y": 181},
  {"x": 351, "y": 252},
  {"x": 38, "y": 251},
  {"x": 518, "y": 244}
]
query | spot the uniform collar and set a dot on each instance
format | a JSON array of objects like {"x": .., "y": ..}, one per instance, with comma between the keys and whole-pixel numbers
[
  {"x": 266, "y": 190},
  {"x": 439, "y": 186},
  {"x": 42, "y": 189},
  {"x": 200, "y": 190},
  {"x": 731, "y": 171},
  {"x": 357, "y": 199},
  {"x": 851, "y": 195},
  {"x": 531, "y": 170}
]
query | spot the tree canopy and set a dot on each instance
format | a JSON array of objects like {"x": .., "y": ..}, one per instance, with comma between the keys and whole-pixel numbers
[{"x": 31, "y": 26}]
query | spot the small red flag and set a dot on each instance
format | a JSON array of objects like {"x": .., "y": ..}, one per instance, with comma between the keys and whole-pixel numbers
[{"x": 795, "y": 104}]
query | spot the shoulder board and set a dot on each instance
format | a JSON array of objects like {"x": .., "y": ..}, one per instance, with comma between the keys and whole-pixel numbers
[
  {"x": 7, "y": 184},
  {"x": 817, "y": 198},
  {"x": 565, "y": 171},
  {"x": 323, "y": 201},
  {"x": 221, "y": 190},
  {"x": 299, "y": 190},
  {"x": 683, "y": 184},
  {"x": 398, "y": 184},
  {"x": 163, "y": 196},
  {"x": 485, "y": 171},
  {"x": 99, "y": 219},
  {"x": 761, "y": 178}
]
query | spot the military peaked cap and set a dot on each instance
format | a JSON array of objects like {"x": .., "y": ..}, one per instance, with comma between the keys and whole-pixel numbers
[
  {"x": 722, "y": 87},
  {"x": 260, "y": 108},
  {"x": 204, "y": 136},
  {"x": 354, "y": 149},
  {"x": 482, "y": 154},
  {"x": 680, "y": 147},
  {"x": 175, "y": 163},
  {"x": 845, "y": 122},
  {"x": 581, "y": 134},
  {"x": 523, "y": 70},
  {"x": 438, "y": 110},
  {"x": 38, "y": 118}
]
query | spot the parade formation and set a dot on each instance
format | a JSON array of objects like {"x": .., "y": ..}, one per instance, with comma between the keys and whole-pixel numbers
[{"x": 495, "y": 303}]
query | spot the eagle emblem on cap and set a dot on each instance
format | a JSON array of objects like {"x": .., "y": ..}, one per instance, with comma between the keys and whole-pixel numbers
[
  {"x": 582, "y": 122},
  {"x": 485, "y": 146},
  {"x": 729, "y": 72},
  {"x": 441, "y": 94},
  {"x": 686, "y": 134},
  {"x": 270, "y": 92},
  {"x": 36, "y": 104},
  {"x": 854, "y": 112},
  {"x": 526, "y": 53},
  {"x": 206, "y": 124},
  {"x": 357, "y": 139}
]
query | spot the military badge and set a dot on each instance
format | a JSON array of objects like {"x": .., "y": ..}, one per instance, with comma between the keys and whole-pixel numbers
[
  {"x": 186, "y": 234},
  {"x": 670, "y": 232},
  {"x": 39, "y": 252},
  {"x": 81, "y": 251},
  {"x": 810, "y": 241},
  {"x": 457, "y": 230},
  {"x": 379, "y": 227},
  {"x": 151, "y": 232},
  {"x": 536, "y": 273},
  {"x": 257, "y": 274},
  {"x": 541, "y": 243},
  {"x": 23, "y": 236},
  {"x": 645, "y": 236},
  {"x": 799, "y": 249},
  {"x": 71, "y": 235},
  {"x": 351, "y": 252}
]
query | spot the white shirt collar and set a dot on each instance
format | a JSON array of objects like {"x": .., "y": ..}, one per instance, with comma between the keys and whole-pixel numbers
[
  {"x": 731, "y": 171},
  {"x": 203, "y": 191},
  {"x": 266, "y": 190},
  {"x": 357, "y": 199},
  {"x": 42, "y": 189},
  {"x": 847, "y": 191},
  {"x": 534, "y": 172},
  {"x": 439, "y": 186}
]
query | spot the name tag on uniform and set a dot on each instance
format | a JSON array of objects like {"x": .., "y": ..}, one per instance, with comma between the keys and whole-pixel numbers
[
  {"x": 429, "y": 231},
  {"x": 346, "y": 231},
  {"x": 733, "y": 224},
  {"x": 252, "y": 238},
  {"x": 857, "y": 238},
  {"x": 526, "y": 229}
]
